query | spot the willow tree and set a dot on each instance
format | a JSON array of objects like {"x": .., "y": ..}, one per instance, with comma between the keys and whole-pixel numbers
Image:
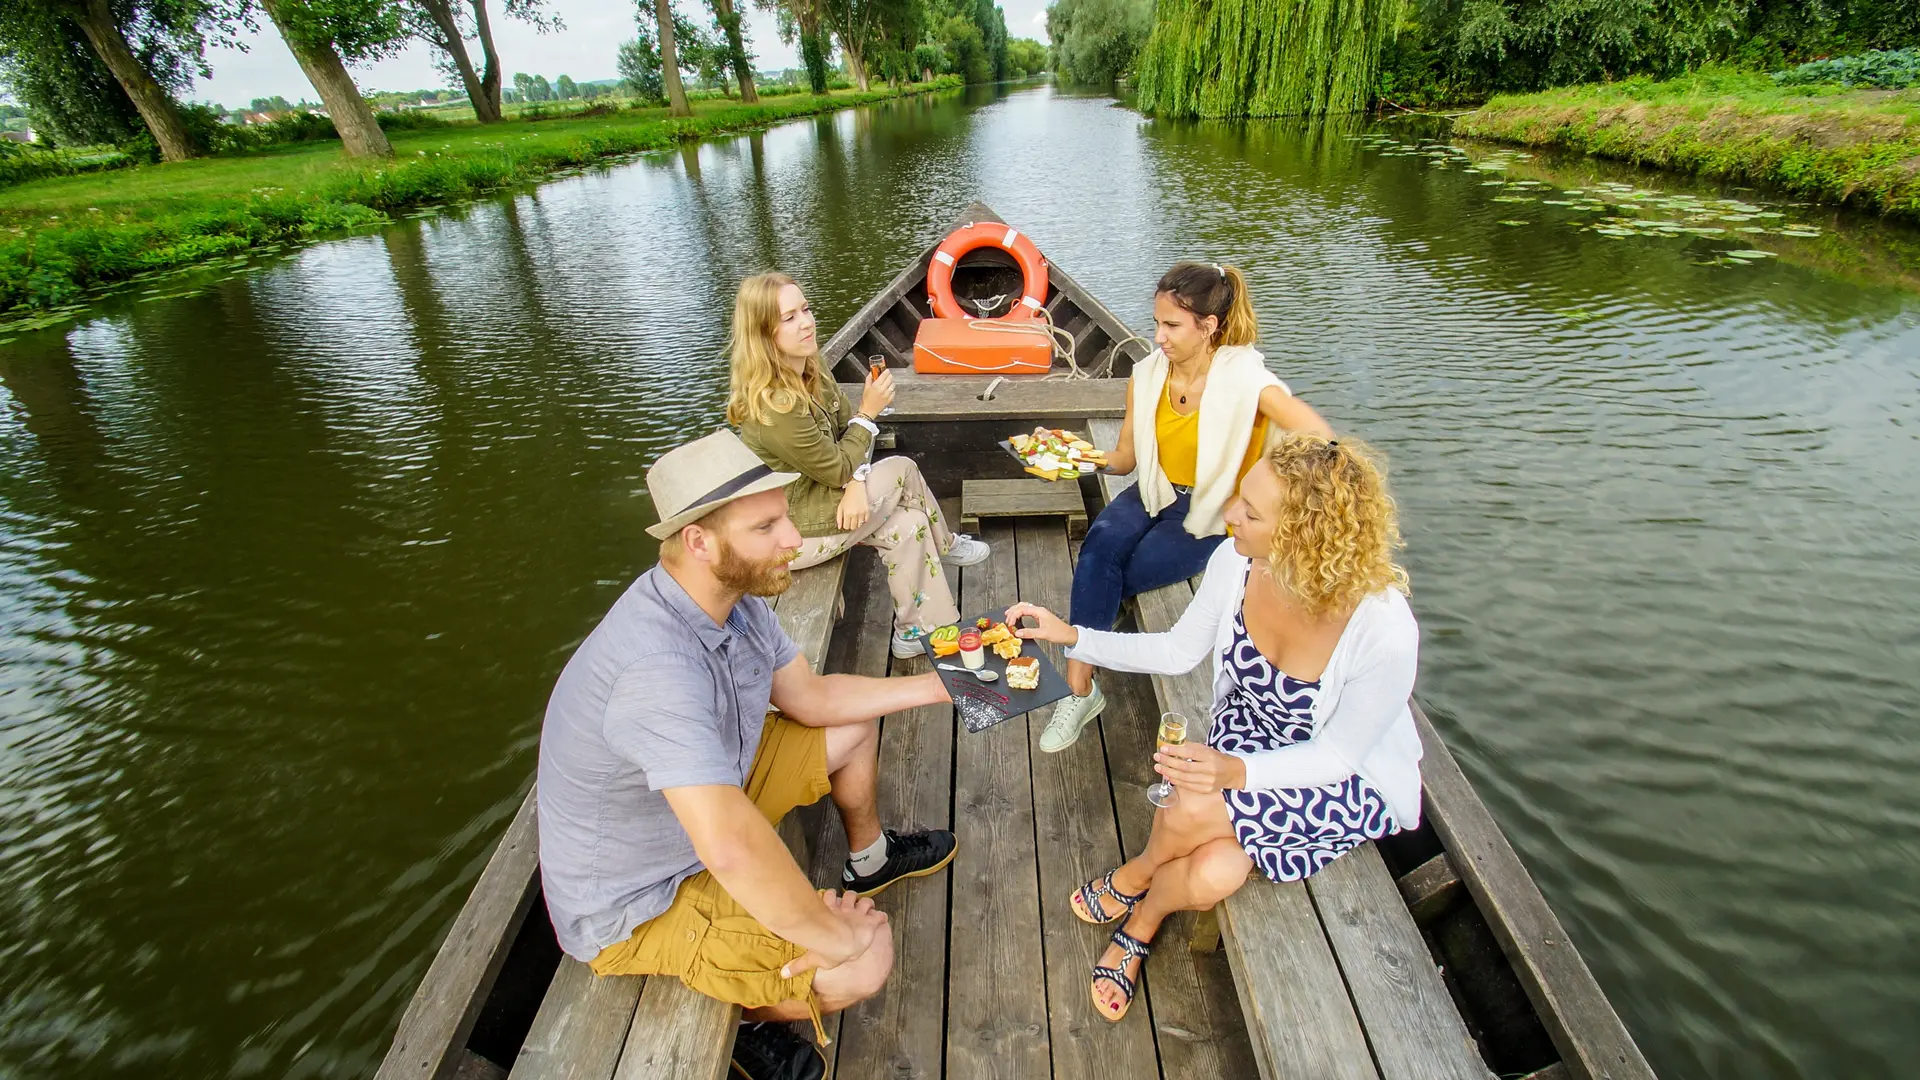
[{"x": 1264, "y": 57}]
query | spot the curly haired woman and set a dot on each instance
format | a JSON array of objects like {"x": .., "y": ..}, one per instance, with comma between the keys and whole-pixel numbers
[
  {"x": 1312, "y": 750},
  {"x": 795, "y": 418}
]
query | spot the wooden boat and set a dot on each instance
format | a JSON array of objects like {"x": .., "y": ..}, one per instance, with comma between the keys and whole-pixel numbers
[{"x": 1429, "y": 954}]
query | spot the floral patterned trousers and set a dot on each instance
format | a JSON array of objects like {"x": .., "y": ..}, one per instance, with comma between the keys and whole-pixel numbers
[{"x": 905, "y": 526}]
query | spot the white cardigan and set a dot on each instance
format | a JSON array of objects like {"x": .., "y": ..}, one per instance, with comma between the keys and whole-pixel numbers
[
  {"x": 1362, "y": 724},
  {"x": 1229, "y": 407}
]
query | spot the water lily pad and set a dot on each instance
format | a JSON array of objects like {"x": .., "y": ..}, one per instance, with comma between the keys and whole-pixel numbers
[
  {"x": 1751, "y": 253},
  {"x": 1514, "y": 198},
  {"x": 1557, "y": 202},
  {"x": 1515, "y": 221}
]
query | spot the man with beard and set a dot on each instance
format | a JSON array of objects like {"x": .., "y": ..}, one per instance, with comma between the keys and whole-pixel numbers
[{"x": 662, "y": 774}]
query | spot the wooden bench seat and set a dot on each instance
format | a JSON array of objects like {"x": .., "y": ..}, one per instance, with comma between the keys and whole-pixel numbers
[{"x": 637, "y": 1028}]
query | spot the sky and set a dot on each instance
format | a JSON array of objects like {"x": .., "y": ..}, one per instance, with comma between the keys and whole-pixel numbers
[{"x": 584, "y": 49}]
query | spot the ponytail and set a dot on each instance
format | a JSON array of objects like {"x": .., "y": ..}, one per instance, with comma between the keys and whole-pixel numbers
[
  {"x": 1220, "y": 291},
  {"x": 1240, "y": 326}
]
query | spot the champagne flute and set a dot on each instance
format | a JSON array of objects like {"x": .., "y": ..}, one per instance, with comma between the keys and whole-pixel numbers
[{"x": 1173, "y": 732}]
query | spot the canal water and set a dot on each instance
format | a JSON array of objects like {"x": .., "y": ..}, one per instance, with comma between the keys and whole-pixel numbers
[{"x": 288, "y": 566}]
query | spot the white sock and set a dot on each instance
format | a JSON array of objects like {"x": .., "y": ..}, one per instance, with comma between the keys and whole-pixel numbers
[{"x": 873, "y": 858}]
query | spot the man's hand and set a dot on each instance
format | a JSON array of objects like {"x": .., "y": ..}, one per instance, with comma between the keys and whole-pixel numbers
[
  {"x": 853, "y": 509},
  {"x": 1200, "y": 769},
  {"x": 861, "y": 919}
]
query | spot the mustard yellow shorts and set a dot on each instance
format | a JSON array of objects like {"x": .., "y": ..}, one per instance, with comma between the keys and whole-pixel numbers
[{"x": 705, "y": 938}]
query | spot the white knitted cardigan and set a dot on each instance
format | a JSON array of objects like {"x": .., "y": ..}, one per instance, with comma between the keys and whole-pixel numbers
[{"x": 1229, "y": 406}]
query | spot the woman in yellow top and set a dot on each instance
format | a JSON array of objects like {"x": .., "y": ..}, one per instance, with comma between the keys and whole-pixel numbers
[{"x": 1200, "y": 412}]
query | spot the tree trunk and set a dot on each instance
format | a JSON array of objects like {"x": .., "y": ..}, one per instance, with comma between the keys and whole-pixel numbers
[
  {"x": 736, "y": 50},
  {"x": 490, "y": 74},
  {"x": 670, "y": 60},
  {"x": 451, "y": 43},
  {"x": 856, "y": 62},
  {"x": 359, "y": 132},
  {"x": 156, "y": 106}
]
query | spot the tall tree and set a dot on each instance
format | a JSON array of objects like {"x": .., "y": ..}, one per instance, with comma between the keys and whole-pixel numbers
[
  {"x": 170, "y": 43},
  {"x": 443, "y": 25},
  {"x": 322, "y": 35},
  {"x": 565, "y": 88},
  {"x": 856, "y": 23},
  {"x": 661, "y": 12},
  {"x": 727, "y": 17},
  {"x": 70, "y": 96}
]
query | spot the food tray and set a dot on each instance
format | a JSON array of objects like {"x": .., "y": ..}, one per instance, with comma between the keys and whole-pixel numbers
[{"x": 982, "y": 705}]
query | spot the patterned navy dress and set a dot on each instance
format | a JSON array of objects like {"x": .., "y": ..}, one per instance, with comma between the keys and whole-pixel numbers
[{"x": 1289, "y": 832}]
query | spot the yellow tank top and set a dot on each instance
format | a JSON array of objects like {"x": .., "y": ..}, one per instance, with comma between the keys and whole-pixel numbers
[{"x": 1179, "y": 443}]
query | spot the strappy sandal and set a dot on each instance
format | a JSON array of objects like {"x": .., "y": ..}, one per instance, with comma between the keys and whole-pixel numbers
[
  {"x": 1089, "y": 896},
  {"x": 1134, "y": 949}
]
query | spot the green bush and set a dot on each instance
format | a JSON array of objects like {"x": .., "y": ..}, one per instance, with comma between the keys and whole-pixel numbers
[
  {"x": 22, "y": 163},
  {"x": 407, "y": 120},
  {"x": 1894, "y": 69}
]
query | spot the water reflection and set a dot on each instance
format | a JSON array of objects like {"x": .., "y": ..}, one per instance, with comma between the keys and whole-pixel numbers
[{"x": 287, "y": 567}]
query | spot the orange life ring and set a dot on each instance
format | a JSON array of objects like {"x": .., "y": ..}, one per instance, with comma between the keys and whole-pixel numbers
[{"x": 1033, "y": 269}]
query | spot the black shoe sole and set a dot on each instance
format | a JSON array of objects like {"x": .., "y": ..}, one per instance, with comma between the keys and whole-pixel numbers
[{"x": 928, "y": 872}]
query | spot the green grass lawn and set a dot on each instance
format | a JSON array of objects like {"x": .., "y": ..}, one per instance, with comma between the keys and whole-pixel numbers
[
  {"x": 154, "y": 190},
  {"x": 62, "y": 237},
  {"x": 1860, "y": 147}
]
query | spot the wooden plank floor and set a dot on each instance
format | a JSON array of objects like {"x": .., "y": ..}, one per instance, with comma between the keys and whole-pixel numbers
[{"x": 993, "y": 968}]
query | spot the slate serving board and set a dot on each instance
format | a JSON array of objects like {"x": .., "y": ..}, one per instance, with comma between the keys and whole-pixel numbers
[{"x": 982, "y": 705}]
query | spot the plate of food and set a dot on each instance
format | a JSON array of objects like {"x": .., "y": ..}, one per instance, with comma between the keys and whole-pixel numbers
[
  {"x": 1055, "y": 453},
  {"x": 991, "y": 674}
]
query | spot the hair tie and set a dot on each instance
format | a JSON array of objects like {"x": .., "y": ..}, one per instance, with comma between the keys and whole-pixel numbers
[
  {"x": 1217, "y": 270},
  {"x": 1333, "y": 442}
]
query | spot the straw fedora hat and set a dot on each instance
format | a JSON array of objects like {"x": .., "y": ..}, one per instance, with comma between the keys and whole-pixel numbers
[{"x": 691, "y": 481}]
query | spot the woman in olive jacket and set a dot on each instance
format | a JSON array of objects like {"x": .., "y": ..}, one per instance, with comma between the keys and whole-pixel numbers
[{"x": 796, "y": 419}]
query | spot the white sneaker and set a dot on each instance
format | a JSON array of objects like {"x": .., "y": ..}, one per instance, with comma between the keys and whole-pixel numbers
[
  {"x": 906, "y": 643},
  {"x": 966, "y": 551},
  {"x": 1069, "y": 716}
]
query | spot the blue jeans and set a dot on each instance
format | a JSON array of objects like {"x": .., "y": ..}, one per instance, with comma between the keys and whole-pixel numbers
[{"x": 1128, "y": 551}]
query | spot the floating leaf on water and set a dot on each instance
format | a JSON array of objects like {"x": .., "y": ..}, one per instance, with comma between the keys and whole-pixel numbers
[
  {"x": 8, "y": 341},
  {"x": 1514, "y": 198},
  {"x": 1493, "y": 183},
  {"x": 1750, "y": 229},
  {"x": 1557, "y": 202},
  {"x": 1769, "y": 214},
  {"x": 1704, "y": 230},
  {"x": 1751, "y": 253},
  {"x": 1515, "y": 221}
]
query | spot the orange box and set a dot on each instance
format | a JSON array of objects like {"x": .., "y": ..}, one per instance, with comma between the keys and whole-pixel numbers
[{"x": 981, "y": 347}]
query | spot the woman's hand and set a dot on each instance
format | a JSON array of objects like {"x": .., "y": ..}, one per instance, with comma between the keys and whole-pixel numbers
[
  {"x": 853, "y": 509},
  {"x": 1052, "y": 627},
  {"x": 878, "y": 394},
  {"x": 1200, "y": 769}
]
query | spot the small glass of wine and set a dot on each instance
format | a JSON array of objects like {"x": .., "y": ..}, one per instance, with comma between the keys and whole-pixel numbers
[
  {"x": 875, "y": 365},
  {"x": 1173, "y": 732}
]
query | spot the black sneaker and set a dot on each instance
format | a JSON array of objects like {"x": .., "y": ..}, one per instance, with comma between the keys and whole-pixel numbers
[
  {"x": 774, "y": 1052},
  {"x": 910, "y": 856}
]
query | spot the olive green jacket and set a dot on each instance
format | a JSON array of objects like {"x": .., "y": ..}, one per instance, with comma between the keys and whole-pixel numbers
[{"x": 818, "y": 441}]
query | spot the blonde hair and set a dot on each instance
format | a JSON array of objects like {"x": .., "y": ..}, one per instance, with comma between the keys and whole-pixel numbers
[
  {"x": 761, "y": 382},
  {"x": 1220, "y": 291},
  {"x": 1337, "y": 528}
]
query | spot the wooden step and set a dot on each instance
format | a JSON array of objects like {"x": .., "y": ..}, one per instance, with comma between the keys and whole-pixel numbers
[{"x": 1025, "y": 497}]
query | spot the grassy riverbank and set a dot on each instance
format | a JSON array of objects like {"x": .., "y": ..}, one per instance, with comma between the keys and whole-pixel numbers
[
  {"x": 64, "y": 237},
  {"x": 1859, "y": 147}
]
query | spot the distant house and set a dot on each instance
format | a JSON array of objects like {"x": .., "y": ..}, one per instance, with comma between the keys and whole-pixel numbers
[{"x": 18, "y": 136}]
